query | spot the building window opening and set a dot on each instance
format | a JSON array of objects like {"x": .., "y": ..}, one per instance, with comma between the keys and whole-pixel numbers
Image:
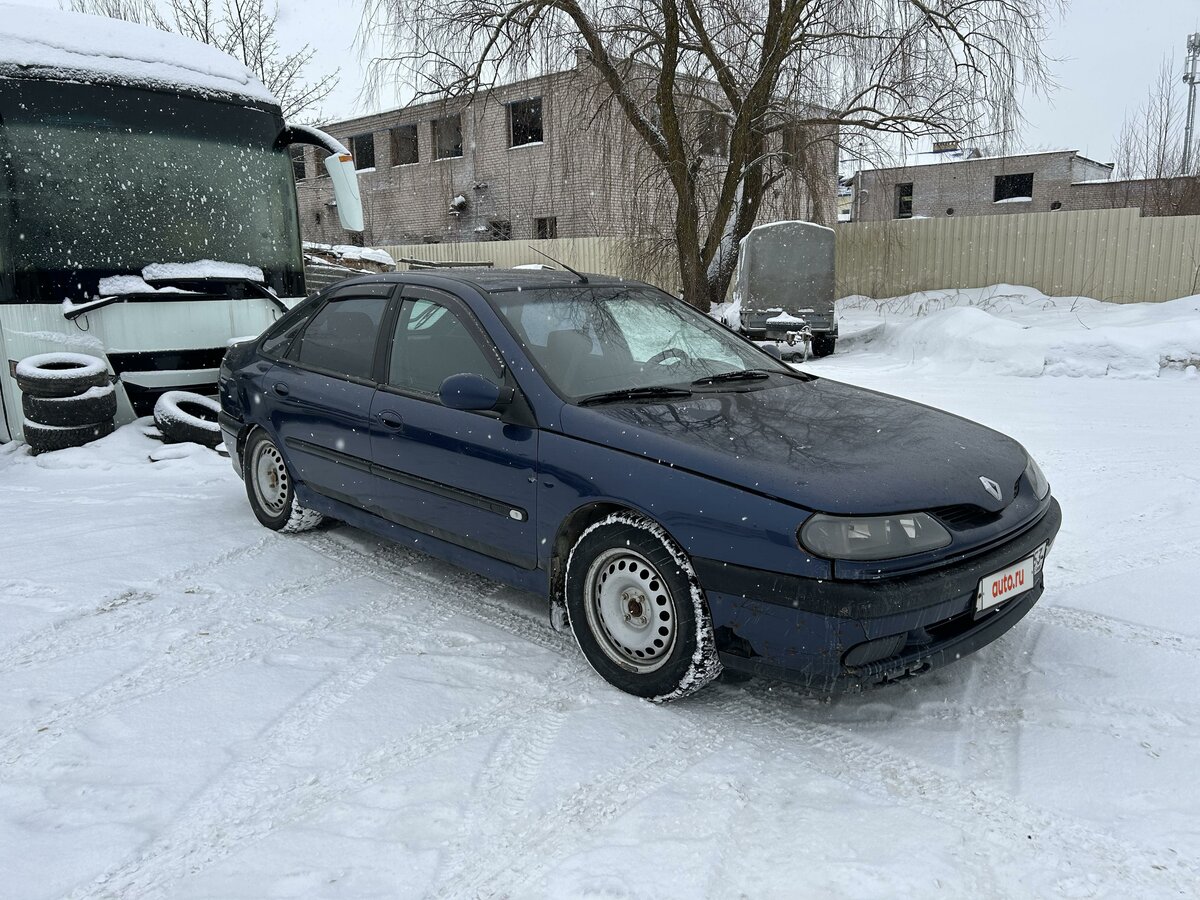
[
  {"x": 904, "y": 197},
  {"x": 525, "y": 122},
  {"x": 363, "y": 148},
  {"x": 499, "y": 230},
  {"x": 545, "y": 228},
  {"x": 713, "y": 135},
  {"x": 447, "y": 137},
  {"x": 403, "y": 139},
  {"x": 1013, "y": 187},
  {"x": 298, "y": 168}
]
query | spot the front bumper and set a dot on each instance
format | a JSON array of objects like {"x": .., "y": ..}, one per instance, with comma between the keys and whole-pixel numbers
[{"x": 840, "y": 635}]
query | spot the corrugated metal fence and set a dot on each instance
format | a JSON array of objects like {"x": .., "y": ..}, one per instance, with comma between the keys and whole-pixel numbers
[{"x": 1109, "y": 254}]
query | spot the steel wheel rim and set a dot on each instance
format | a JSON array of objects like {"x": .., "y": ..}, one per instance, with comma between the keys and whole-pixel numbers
[
  {"x": 270, "y": 478},
  {"x": 630, "y": 610}
]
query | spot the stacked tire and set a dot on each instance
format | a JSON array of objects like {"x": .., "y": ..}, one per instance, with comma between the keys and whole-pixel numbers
[{"x": 67, "y": 400}]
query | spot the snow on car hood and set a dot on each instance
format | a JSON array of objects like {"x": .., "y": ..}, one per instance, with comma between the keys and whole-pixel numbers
[
  {"x": 820, "y": 444},
  {"x": 69, "y": 46}
]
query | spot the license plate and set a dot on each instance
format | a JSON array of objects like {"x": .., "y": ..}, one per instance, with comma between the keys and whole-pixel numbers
[{"x": 1005, "y": 584}]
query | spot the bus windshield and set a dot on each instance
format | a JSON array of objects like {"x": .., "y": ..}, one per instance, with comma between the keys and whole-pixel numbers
[{"x": 98, "y": 180}]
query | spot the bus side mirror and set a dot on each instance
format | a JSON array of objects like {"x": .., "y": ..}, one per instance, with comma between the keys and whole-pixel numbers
[{"x": 340, "y": 167}]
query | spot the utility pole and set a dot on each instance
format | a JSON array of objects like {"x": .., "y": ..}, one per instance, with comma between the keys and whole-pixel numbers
[{"x": 1191, "y": 76}]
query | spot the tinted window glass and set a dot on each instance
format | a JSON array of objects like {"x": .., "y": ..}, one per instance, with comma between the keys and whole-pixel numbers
[
  {"x": 431, "y": 344},
  {"x": 280, "y": 338},
  {"x": 341, "y": 337}
]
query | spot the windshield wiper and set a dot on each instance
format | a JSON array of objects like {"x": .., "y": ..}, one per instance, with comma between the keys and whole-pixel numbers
[
  {"x": 739, "y": 375},
  {"x": 637, "y": 393}
]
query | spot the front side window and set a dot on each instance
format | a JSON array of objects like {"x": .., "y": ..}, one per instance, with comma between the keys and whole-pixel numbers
[
  {"x": 341, "y": 337},
  {"x": 525, "y": 122},
  {"x": 447, "y": 137},
  {"x": 432, "y": 343},
  {"x": 592, "y": 340},
  {"x": 362, "y": 146},
  {"x": 404, "y": 145}
]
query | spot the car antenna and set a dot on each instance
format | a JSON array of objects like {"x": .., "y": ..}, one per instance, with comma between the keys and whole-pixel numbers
[{"x": 582, "y": 278}]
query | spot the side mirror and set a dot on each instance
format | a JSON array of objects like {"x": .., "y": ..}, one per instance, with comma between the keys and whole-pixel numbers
[
  {"x": 473, "y": 392},
  {"x": 772, "y": 350},
  {"x": 340, "y": 167}
]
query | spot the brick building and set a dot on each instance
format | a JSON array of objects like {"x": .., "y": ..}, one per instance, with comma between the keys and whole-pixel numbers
[
  {"x": 542, "y": 158},
  {"x": 977, "y": 186}
]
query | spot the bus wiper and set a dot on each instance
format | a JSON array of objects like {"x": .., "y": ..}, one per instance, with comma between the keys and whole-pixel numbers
[
  {"x": 637, "y": 393},
  {"x": 739, "y": 375}
]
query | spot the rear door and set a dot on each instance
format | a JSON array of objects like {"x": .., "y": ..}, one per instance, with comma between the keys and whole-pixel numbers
[
  {"x": 320, "y": 394},
  {"x": 465, "y": 477}
]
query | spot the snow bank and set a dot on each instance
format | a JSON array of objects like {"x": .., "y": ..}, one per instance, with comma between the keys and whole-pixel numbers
[
  {"x": 69, "y": 46},
  {"x": 1013, "y": 330}
]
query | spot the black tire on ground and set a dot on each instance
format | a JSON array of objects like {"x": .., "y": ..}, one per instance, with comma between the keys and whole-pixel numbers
[
  {"x": 60, "y": 374},
  {"x": 823, "y": 345},
  {"x": 97, "y": 404},
  {"x": 637, "y": 610},
  {"x": 46, "y": 438},
  {"x": 184, "y": 417},
  {"x": 269, "y": 488}
]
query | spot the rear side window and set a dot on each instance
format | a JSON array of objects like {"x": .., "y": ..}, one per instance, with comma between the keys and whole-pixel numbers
[
  {"x": 341, "y": 337},
  {"x": 279, "y": 339}
]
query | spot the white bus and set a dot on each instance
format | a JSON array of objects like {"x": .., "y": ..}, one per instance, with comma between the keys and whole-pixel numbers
[{"x": 147, "y": 204}]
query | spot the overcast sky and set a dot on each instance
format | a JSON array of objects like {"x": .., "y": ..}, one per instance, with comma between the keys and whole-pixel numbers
[{"x": 1110, "y": 51}]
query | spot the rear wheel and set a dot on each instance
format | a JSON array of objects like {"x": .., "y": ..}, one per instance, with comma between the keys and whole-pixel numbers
[
  {"x": 270, "y": 489},
  {"x": 637, "y": 611}
]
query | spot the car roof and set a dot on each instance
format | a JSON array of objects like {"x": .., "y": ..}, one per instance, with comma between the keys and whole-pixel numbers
[{"x": 499, "y": 281}]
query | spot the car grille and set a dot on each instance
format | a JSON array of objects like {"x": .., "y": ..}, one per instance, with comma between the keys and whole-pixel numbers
[{"x": 965, "y": 515}]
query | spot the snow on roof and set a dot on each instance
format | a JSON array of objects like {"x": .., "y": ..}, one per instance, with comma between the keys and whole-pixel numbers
[{"x": 69, "y": 46}]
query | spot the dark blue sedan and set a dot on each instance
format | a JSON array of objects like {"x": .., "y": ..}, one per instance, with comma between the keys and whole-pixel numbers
[{"x": 685, "y": 501}]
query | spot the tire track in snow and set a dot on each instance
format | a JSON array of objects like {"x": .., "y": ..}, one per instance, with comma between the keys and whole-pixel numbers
[
  {"x": 510, "y": 865},
  {"x": 1117, "y": 629},
  {"x": 124, "y": 612},
  {"x": 981, "y": 812},
  {"x": 247, "y": 819}
]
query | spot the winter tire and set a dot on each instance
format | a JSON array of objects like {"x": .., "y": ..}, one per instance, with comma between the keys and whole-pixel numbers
[
  {"x": 60, "y": 374},
  {"x": 45, "y": 438},
  {"x": 184, "y": 417},
  {"x": 97, "y": 404},
  {"x": 823, "y": 345},
  {"x": 637, "y": 611},
  {"x": 269, "y": 487}
]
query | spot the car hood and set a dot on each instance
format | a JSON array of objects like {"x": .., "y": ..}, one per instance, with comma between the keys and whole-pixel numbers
[{"x": 820, "y": 444}]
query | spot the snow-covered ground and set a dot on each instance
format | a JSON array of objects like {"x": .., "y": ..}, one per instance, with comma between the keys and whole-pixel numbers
[{"x": 196, "y": 707}]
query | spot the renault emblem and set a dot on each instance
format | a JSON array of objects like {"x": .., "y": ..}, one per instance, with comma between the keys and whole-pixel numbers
[{"x": 991, "y": 487}]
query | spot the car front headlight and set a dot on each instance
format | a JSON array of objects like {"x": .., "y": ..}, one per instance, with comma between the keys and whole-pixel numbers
[
  {"x": 872, "y": 537},
  {"x": 1041, "y": 487}
]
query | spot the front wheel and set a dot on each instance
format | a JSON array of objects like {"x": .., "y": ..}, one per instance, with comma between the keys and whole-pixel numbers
[
  {"x": 637, "y": 611},
  {"x": 269, "y": 487}
]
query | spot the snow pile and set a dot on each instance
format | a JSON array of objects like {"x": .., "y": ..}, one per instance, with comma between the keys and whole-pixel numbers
[
  {"x": 1013, "y": 330},
  {"x": 69, "y": 46},
  {"x": 204, "y": 268},
  {"x": 348, "y": 252}
]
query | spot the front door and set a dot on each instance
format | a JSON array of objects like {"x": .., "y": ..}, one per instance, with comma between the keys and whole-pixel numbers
[
  {"x": 321, "y": 392},
  {"x": 464, "y": 477}
]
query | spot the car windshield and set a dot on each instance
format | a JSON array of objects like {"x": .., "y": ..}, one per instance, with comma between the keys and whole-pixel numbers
[
  {"x": 98, "y": 180},
  {"x": 593, "y": 340}
]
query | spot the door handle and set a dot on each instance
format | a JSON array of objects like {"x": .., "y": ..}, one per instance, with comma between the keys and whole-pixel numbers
[
  {"x": 390, "y": 419},
  {"x": 281, "y": 389}
]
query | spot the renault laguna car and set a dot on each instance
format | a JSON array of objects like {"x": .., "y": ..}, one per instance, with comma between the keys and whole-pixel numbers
[{"x": 684, "y": 501}]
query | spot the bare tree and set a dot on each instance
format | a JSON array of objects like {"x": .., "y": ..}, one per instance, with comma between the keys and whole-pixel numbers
[
  {"x": 245, "y": 29},
  {"x": 766, "y": 68},
  {"x": 1148, "y": 153}
]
